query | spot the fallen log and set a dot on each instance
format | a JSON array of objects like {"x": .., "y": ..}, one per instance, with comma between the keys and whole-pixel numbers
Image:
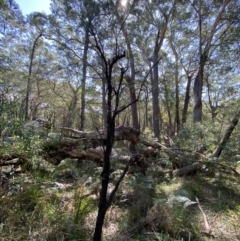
[
  {"x": 72, "y": 143},
  {"x": 187, "y": 170},
  {"x": 98, "y": 138},
  {"x": 13, "y": 159}
]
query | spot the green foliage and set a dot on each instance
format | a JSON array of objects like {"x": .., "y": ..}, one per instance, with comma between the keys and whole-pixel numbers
[
  {"x": 194, "y": 187},
  {"x": 33, "y": 208},
  {"x": 192, "y": 135},
  {"x": 141, "y": 193},
  {"x": 196, "y": 135},
  {"x": 83, "y": 206},
  {"x": 38, "y": 208},
  {"x": 173, "y": 220}
]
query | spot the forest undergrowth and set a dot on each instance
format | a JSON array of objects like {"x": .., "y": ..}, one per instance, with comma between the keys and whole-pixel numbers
[{"x": 52, "y": 203}]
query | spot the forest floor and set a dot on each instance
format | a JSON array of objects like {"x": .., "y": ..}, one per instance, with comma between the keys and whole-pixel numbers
[{"x": 60, "y": 203}]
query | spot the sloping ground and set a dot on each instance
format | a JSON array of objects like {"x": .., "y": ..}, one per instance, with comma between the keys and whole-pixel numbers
[
  {"x": 60, "y": 203},
  {"x": 221, "y": 202}
]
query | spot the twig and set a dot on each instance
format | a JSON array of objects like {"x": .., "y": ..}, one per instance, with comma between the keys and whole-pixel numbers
[{"x": 206, "y": 223}]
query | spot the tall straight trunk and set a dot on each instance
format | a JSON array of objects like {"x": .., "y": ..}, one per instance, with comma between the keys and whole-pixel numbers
[
  {"x": 146, "y": 109},
  {"x": 213, "y": 109},
  {"x": 155, "y": 97},
  {"x": 36, "y": 102},
  {"x": 131, "y": 79},
  {"x": 83, "y": 89},
  {"x": 187, "y": 98},
  {"x": 133, "y": 99},
  {"x": 203, "y": 54},
  {"x": 30, "y": 74},
  {"x": 168, "y": 108},
  {"x": 104, "y": 104},
  {"x": 198, "y": 83},
  {"x": 177, "y": 114},
  {"x": 155, "y": 58},
  {"x": 197, "y": 91}
]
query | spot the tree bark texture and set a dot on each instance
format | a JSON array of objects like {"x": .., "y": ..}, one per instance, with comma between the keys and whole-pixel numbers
[
  {"x": 84, "y": 73},
  {"x": 177, "y": 112},
  {"x": 104, "y": 104},
  {"x": 155, "y": 58},
  {"x": 187, "y": 98},
  {"x": 197, "y": 91},
  {"x": 155, "y": 96}
]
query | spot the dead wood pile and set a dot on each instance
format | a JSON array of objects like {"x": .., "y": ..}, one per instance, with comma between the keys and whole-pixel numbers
[{"x": 72, "y": 143}]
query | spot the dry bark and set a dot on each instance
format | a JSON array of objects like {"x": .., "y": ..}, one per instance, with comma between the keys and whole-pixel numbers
[
  {"x": 85, "y": 145},
  {"x": 187, "y": 170},
  {"x": 98, "y": 138},
  {"x": 13, "y": 159}
]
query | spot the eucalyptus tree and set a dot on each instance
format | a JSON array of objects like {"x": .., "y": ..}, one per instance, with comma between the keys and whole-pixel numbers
[
  {"x": 212, "y": 24},
  {"x": 126, "y": 19},
  {"x": 168, "y": 94},
  {"x": 155, "y": 18},
  {"x": 36, "y": 28},
  {"x": 176, "y": 80},
  {"x": 70, "y": 24},
  {"x": 181, "y": 41}
]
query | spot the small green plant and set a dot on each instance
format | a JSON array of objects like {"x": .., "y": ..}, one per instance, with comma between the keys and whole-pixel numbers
[
  {"x": 141, "y": 192},
  {"x": 83, "y": 206},
  {"x": 195, "y": 188},
  {"x": 162, "y": 236}
]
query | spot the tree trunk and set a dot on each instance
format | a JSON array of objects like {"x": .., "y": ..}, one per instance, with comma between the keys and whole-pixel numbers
[
  {"x": 155, "y": 87},
  {"x": 155, "y": 97},
  {"x": 203, "y": 53},
  {"x": 84, "y": 73},
  {"x": 102, "y": 208},
  {"x": 104, "y": 104},
  {"x": 213, "y": 109},
  {"x": 146, "y": 109},
  {"x": 169, "y": 128},
  {"x": 187, "y": 170},
  {"x": 36, "y": 102},
  {"x": 133, "y": 99},
  {"x": 198, "y": 83},
  {"x": 197, "y": 91},
  {"x": 177, "y": 115},
  {"x": 131, "y": 79},
  {"x": 30, "y": 74},
  {"x": 104, "y": 202},
  {"x": 187, "y": 98}
]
